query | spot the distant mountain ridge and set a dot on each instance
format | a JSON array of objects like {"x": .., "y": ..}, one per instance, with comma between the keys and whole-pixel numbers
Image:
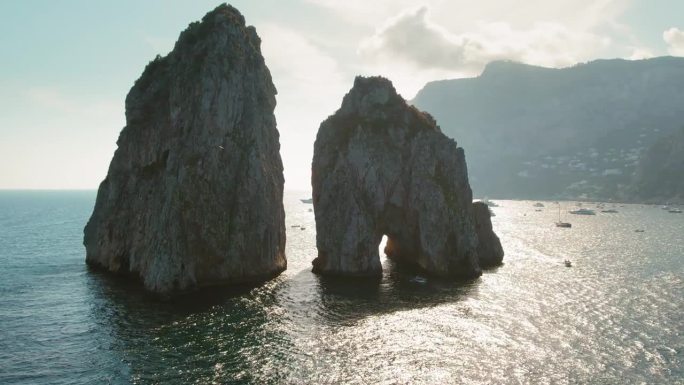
[{"x": 576, "y": 132}]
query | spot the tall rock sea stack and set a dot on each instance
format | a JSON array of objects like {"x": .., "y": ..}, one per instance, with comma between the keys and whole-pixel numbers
[
  {"x": 382, "y": 167},
  {"x": 193, "y": 196}
]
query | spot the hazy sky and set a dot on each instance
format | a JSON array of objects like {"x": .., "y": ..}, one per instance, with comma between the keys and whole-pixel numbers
[{"x": 67, "y": 65}]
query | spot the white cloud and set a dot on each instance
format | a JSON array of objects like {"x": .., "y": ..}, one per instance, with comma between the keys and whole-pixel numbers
[
  {"x": 414, "y": 38},
  {"x": 576, "y": 14},
  {"x": 457, "y": 38},
  {"x": 294, "y": 59},
  {"x": 310, "y": 86},
  {"x": 639, "y": 53},
  {"x": 674, "y": 37}
]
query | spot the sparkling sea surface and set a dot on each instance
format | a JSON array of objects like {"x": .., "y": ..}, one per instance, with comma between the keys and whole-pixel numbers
[{"x": 615, "y": 317}]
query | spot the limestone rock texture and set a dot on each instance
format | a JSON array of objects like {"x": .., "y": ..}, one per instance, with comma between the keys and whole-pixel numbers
[
  {"x": 193, "y": 195},
  {"x": 382, "y": 167},
  {"x": 489, "y": 249}
]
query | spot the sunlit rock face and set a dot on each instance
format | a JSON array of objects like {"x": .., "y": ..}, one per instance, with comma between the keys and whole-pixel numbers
[
  {"x": 193, "y": 196},
  {"x": 382, "y": 167}
]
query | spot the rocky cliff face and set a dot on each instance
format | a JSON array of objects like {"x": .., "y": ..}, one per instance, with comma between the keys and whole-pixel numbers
[
  {"x": 541, "y": 133},
  {"x": 489, "y": 248},
  {"x": 193, "y": 196},
  {"x": 382, "y": 167}
]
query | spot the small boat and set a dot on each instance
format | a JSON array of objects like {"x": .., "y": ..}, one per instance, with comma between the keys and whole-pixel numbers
[
  {"x": 609, "y": 211},
  {"x": 567, "y": 263},
  {"x": 538, "y": 210},
  {"x": 294, "y": 226},
  {"x": 666, "y": 208},
  {"x": 583, "y": 212},
  {"x": 308, "y": 201},
  {"x": 639, "y": 231},
  {"x": 674, "y": 211},
  {"x": 538, "y": 204}
]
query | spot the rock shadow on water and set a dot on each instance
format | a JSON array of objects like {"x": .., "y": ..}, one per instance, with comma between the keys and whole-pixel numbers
[
  {"x": 346, "y": 300},
  {"x": 127, "y": 290},
  {"x": 211, "y": 333}
]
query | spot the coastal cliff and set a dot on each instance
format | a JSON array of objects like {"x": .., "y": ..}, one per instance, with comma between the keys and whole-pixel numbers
[
  {"x": 572, "y": 133},
  {"x": 193, "y": 195},
  {"x": 659, "y": 176},
  {"x": 382, "y": 167}
]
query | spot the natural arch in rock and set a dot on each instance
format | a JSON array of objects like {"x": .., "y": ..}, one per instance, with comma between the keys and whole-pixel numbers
[{"x": 382, "y": 167}]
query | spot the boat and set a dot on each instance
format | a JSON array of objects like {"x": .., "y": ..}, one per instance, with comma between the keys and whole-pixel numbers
[
  {"x": 666, "y": 208},
  {"x": 567, "y": 263},
  {"x": 561, "y": 223},
  {"x": 538, "y": 204},
  {"x": 639, "y": 231},
  {"x": 609, "y": 211},
  {"x": 538, "y": 210},
  {"x": 674, "y": 211},
  {"x": 308, "y": 201},
  {"x": 582, "y": 212}
]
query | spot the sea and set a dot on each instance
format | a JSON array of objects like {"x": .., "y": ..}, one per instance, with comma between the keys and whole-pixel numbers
[{"x": 615, "y": 317}]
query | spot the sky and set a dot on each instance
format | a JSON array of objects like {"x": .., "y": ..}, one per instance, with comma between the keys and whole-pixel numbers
[{"x": 66, "y": 66}]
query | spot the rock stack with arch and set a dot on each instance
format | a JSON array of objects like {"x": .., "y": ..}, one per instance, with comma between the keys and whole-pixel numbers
[{"x": 382, "y": 167}]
